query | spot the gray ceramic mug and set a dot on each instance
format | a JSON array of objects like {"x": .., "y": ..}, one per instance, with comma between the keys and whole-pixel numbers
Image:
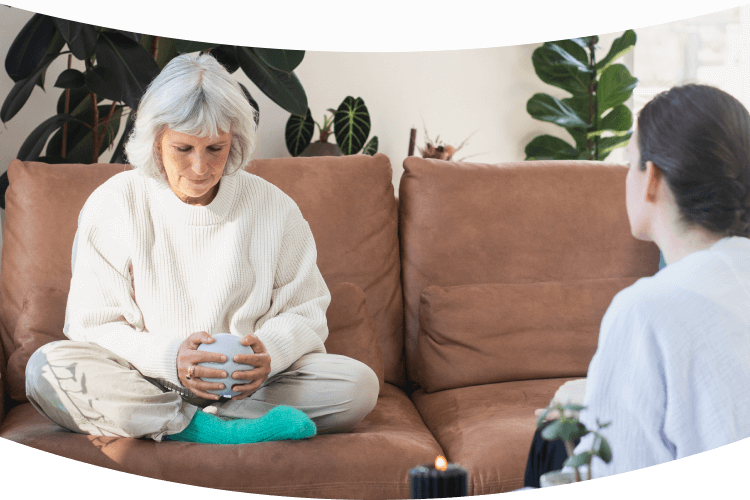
[{"x": 230, "y": 346}]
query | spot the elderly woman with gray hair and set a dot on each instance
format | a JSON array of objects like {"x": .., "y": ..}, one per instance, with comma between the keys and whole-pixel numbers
[{"x": 185, "y": 246}]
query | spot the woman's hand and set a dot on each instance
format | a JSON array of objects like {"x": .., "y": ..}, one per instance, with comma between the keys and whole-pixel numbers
[
  {"x": 570, "y": 392},
  {"x": 261, "y": 361},
  {"x": 188, "y": 355}
]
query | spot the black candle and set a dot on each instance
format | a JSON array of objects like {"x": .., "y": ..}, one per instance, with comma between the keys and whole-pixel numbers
[{"x": 441, "y": 480}]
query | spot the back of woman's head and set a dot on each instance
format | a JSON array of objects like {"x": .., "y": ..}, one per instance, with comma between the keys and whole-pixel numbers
[
  {"x": 699, "y": 138},
  {"x": 194, "y": 94}
]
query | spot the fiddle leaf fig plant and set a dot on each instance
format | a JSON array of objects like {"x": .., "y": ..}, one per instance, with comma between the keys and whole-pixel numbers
[
  {"x": 569, "y": 429},
  {"x": 117, "y": 68},
  {"x": 350, "y": 125},
  {"x": 595, "y": 115}
]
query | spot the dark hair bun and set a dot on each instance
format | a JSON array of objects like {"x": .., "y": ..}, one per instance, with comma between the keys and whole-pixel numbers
[{"x": 699, "y": 138}]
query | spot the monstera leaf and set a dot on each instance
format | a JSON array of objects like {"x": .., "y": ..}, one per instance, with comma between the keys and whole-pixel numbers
[{"x": 351, "y": 125}]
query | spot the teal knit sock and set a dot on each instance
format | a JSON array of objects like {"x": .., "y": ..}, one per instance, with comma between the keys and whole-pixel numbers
[{"x": 282, "y": 422}]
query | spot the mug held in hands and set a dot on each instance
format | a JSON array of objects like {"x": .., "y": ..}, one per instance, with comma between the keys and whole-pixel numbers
[{"x": 230, "y": 346}]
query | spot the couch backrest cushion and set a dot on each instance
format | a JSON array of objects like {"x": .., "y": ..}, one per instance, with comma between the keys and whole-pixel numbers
[
  {"x": 348, "y": 202},
  {"x": 41, "y": 321},
  {"x": 523, "y": 222},
  {"x": 350, "y": 205},
  {"x": 482, "y": 334},
  {"x": 41, "y": 217},
  {"x": 351, "y": 329}
]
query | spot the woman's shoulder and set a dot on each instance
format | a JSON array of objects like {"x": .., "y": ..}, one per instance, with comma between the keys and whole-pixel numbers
[
  {"x": 264, "y": 191},
  {"x": 113, "y": 196}
]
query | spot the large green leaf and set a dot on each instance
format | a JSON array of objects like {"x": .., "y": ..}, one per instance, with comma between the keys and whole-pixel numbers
[
  {"x": 4, "y": 184},
  {"x": 619, "y": 47},
  {"x": 351, "y": 125},
  {"x": 118, "y": 155},
  {"x": 563, "y": 71},
  {"x": 546, "y": 108},
  {"x": 252, "y": 102},
  {"x": 584, "y": 40},
  {"x": 132, "y": 69},
  {"x": 371, "y": 147},
  {"x": 618, "y": 121},
  {"x": 70, "y": 79},
  {"x": 81, "y": 37},
  {"x": 299, "y": 132},
  {"x": 615, "y": 86},
  {"x": 34, "y": 143},
  {"x": 281, "y": 59},
  {"x": 189, "y": 46},
  {"x": 607, "y": 144},
  {"x": 29, "y": 47},
  {"x": 282, "y": 88},
  {"x": 227, "y": 56},
  {"x": 21, "y": 91},
  {"x": 548, "y": 147},
  {"x": 580, "y": 105},
  {"x": 69, "y": 29},
  {"x": 571, "y": 54},
  {"x": 166, "y": 49}
]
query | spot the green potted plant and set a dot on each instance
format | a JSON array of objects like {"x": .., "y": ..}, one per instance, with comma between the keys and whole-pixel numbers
[
  {"x": 595, "y": 115},
  {"x": 118, "y": 66},
  {"x": 350, "y": 124},
  {"x": 568, "y": 428}
]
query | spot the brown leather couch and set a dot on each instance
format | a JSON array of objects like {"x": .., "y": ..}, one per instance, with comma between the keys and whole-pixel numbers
[{"x": 482, "y": 288}]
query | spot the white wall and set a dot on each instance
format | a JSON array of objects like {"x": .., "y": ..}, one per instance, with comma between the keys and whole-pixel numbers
[{"x": 454, "y": 92}]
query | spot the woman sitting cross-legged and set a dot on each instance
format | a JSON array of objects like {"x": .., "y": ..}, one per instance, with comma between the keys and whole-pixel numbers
[
  {"x": 672, "y": 367},
  {"x": 185, "y": 246}
]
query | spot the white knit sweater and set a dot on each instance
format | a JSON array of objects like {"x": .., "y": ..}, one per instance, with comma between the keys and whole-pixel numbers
[
  {"x": 672, "y": 369},
  {"x": 149, "y": 270}
]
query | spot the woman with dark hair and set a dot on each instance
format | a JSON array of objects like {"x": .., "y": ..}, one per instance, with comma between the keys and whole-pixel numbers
[{"x": 672, "y": 367}]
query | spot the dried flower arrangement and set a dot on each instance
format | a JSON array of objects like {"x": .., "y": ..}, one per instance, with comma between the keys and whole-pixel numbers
[{"x": 439, "y": 150}]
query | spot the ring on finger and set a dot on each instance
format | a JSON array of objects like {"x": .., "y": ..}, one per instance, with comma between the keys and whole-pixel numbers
[{"x": 191, "y": 372}]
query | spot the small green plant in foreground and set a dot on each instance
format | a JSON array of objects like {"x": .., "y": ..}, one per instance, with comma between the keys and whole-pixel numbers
[{"x": 568, "y": 428}]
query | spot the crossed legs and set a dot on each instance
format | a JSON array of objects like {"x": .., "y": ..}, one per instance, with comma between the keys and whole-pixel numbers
[{"x": 88, "y": 389}]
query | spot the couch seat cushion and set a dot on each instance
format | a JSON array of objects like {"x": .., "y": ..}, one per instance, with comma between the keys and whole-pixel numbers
[
  {"x": 498, "y": 332},
  {"x": 371, "y": 461},
  {"x": 487, "y": 428}
]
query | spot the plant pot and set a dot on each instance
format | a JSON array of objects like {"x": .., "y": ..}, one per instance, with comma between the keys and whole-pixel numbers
[
  {"x": 556, "y": 478},
  {"x": 318, "y": 148}
]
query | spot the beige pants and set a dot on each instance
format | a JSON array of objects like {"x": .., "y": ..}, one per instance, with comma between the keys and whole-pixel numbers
[{"x": 88, "y": 389}]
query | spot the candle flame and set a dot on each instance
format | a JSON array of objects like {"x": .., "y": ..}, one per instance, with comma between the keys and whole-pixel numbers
[{"x": 441, "y": 463}]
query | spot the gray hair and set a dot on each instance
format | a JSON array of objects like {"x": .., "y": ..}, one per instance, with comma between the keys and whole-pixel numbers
[{"x": 194, "y": 94}]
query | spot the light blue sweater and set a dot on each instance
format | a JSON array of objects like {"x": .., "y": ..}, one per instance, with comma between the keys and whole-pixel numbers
[{"x": 672, "y": 368}]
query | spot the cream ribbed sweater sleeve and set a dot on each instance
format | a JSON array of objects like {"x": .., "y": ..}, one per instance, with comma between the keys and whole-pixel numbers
[
  {"x": 101, "y": 308},
  {"x": 295, "y": 324}
]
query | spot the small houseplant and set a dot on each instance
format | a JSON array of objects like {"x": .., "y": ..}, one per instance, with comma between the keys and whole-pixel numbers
[
  {"x": 569, "y": 429},
  {"x": 595, "y": 115},
  {"x": 439, "y": 150},
  {"x": 350, "y": 124}
]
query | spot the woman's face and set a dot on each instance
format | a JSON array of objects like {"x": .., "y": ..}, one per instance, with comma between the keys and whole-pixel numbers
[
  {"x": 194, "y": 165},
  {"x": 636, "y": 184}
]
